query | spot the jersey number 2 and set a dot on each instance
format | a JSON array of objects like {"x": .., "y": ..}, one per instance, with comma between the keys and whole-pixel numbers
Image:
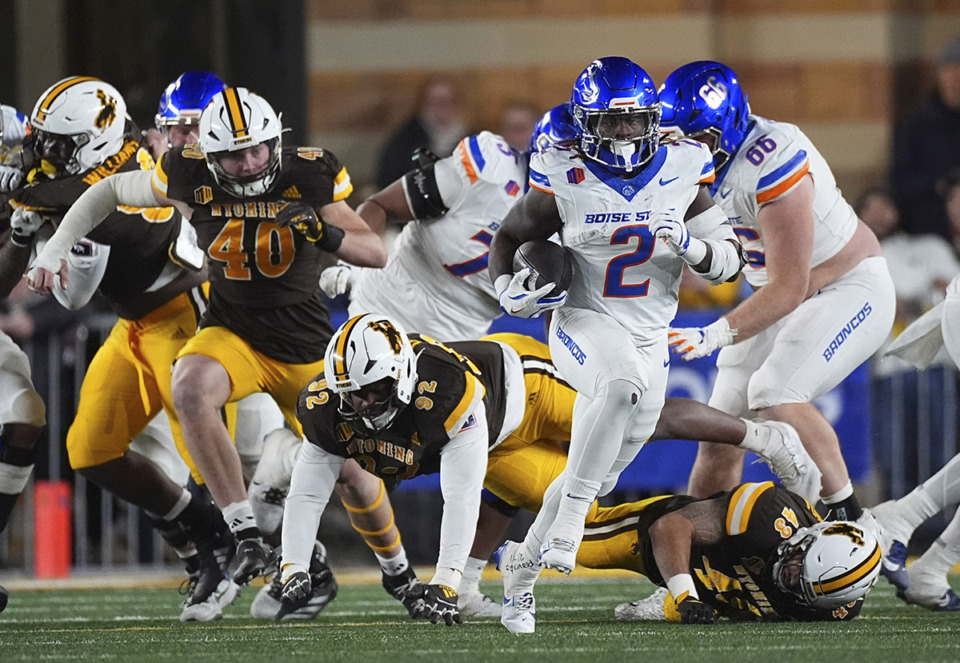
[{"x": 613, "y": 285}]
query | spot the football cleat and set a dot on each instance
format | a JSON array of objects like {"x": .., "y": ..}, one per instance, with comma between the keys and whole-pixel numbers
[
  {"x": 650, "y": 609},
  {"x": 894, "y": 565},
  {"x": 208, "y": 589},
  {"x": 475, "y": 603},
  {"x": 252, "y": 559},
  {"x": 519, "y": 575},
  {"x": 4, "y": 597},
  {"x": 559, "y": 554},
  {"x": 401, "y": 587},
  {"x": 267, "y": 604},
  {"x": 790, "y": 461},
  {"x": 938, "y": 600}
]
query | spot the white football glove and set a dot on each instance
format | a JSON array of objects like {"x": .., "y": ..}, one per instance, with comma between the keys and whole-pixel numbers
[
  {"x": 696, "y": 342},
  {"x": 10, "y": 178},
  {"x": 519, "y": 302},
  {"x": 337, "y": 280},
  {"x": 669, "y": 226},
  {"x": 24, "y": 224}
]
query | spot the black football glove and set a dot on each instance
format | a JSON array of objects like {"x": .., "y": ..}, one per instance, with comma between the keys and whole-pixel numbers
[
  {"x": 296, "y": 589},
  {"x": 439, "y": 603},
  {"x": 403, "y": 588},
  {"x": 304, "y": 219},
  {"x": 695, "y": 611}
]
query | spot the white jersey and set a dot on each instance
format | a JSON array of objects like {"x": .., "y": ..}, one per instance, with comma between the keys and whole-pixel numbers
[
  {"x": 436, "y": 279},
  {"x": 774, "y": 158},
  {"x": 621, "y": 270}
]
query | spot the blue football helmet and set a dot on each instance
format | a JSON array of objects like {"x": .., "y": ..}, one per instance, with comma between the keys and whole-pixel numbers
[
  {"x": 185, "y": 98},
  {"x": 616, "y": 113},
  {"x": 704, "y": 100},
  {"x": 556, "y": 126}
]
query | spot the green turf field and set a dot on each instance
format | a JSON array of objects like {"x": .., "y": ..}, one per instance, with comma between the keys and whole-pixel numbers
[{"x": 575, "y": 623}]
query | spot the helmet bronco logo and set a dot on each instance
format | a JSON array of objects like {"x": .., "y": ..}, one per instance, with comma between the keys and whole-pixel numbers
[
  {"x": 108, "y": 110},
  {"x": 391, "y": 332}
]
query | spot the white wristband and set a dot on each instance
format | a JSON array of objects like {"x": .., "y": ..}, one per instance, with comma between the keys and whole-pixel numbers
[
  {"x": 449, "y": 577},
  {"x": 681, "y": 586},
  {"x": 696, "y": 252}
]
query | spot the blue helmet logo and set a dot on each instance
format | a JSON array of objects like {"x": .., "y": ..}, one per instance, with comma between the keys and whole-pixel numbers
[{"x": 555, "y": 127}]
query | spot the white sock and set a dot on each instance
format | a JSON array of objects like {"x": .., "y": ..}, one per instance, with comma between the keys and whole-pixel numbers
[
  {"x": 394, "y": 566},
  {"x": 575, "y": 501},
  {"x": 472, "y": 572},
  {"x": 756, "y": 438},
  {"x": 239, "y": 516},
  {"x": 840, "y": 495}
]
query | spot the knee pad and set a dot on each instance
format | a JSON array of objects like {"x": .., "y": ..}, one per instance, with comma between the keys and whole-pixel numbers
[{"x": 281, "y": 447}]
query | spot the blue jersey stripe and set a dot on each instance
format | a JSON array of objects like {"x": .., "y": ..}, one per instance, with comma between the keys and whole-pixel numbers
[
  {"x": 783, "y": 171},
  {"x": 476, "y": 153},
  {"x": 540, "y": 178}
]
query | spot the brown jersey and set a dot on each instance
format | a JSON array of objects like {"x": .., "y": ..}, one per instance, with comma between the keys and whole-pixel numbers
[
  {"x": 735, "y": 575},
  {"x": 451, "y": 380},
  {"x": 265, "y": 279},
  {"x": 140, "y": 238}
]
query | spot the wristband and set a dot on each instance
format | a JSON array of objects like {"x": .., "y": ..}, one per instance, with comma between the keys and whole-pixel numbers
[
  {"x": 681, "y": 587},
  {"x": 332, "y": 238},
  {"x": 20, "y": 239}
]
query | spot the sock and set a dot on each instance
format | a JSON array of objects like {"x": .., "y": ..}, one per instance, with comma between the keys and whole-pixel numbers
[
  {"x": 756, "y": 437},
  {"x": 396, "y": 565},
  {"x": 174, "y": 536},
  {"x": 575, "y": 502},
  {"x": 843, "y": 504},
  {"x": 239, "y": 517},
  {"x": 472, "y": 572},
  {"x": 936, "y": 561}
]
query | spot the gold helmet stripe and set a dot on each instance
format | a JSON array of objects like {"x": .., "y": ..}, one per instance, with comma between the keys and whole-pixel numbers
[
  {"x": 57, "y": 91},
  {"x": 851, "y": 576},
  {"x": 235, "y": 112},
  {"x": 340, "y": 352}
]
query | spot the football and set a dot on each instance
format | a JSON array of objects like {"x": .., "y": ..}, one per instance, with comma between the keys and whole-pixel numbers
[{"x": 549, "y": 262}]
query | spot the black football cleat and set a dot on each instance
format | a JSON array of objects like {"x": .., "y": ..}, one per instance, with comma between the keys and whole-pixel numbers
[{"x": 252, "y": 559}]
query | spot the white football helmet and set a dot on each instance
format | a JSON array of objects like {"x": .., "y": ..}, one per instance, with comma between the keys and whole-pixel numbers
[
  {"x": 828, "y": 564},
  {"x": 371, "y": 364},
  {"x": 78, "y": 124},
  {"x": 234, "y": 120}
]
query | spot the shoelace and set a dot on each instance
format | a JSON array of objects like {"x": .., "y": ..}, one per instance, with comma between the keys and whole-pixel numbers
[{"x": 524, "y": 602}]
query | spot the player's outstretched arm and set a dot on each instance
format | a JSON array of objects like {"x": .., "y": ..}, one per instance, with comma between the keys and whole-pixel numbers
[
  {"x": 361, "y": 245},
  {"x": 90, "y": 209}
]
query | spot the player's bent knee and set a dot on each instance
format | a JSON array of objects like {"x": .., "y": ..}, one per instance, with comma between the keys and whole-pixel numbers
[{"x": 28, "y": 409}]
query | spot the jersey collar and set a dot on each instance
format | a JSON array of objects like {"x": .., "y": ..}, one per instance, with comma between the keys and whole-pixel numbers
[{"x": 628, "y": 188}]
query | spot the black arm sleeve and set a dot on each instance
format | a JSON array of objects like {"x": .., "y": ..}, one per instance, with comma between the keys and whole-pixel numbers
[{"x": 423, "y": 194}]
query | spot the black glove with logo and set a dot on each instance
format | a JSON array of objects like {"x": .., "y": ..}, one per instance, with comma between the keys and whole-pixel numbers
[{"x": 304, "y": 219}]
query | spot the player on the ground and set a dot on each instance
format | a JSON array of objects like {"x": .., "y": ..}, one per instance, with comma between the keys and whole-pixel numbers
[
  {"x": 824, "y": 300},
  {"x": 264, "y": 216},
  {"x": 524, "y": 407},
  {"x": 632, "y": 212}
]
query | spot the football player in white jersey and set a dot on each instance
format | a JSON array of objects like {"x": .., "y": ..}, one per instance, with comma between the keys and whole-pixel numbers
[
  {"x": 824, "y": 300},
  {"x": 612, "y": 200},
  {"x": 436, "y": 278}
]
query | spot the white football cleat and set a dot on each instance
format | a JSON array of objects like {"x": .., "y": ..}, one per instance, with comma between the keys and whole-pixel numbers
[
  {"x": 559, "y": 554},
  {"x": 519, "y": 575},
  {"x": 649, "y": 609},
  {"x": 928, "y": 590},
  {"x": 789, "y": 460},
  {"x": 474, "y": 603}
]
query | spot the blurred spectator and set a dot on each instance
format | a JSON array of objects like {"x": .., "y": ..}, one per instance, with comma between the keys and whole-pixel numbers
[
  {"x": 927, "y": 145},
  {"x": 517, "y": 121},
  {"x": 438, "y": 125},
  {"x": 921, "y": 265},
  {"x": 949, "y": 189}
]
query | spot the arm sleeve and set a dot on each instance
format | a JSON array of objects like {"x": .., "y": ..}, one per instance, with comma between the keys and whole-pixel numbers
[
  {"x": 463, "y": 464},
  {"x": 314, "y": 477},
  {"x": 727, "y": 259},
  {"x": 96, "y": 203},
  {"x": 88, "y": 263}
]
